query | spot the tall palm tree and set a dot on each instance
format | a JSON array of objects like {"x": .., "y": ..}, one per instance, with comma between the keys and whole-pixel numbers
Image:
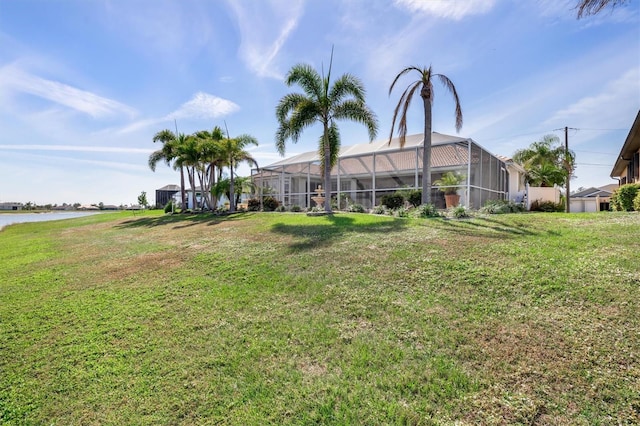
[
  {"x": 188, "y": 155},
  {"x": 167, "y": 153},
  {"x": 212, "y": 154},
  {"x": 324, "y": 103},
  {"x": 234, "y": 152},
  {"x": 546, "y": 162},
  {"x": 423, "y": 85}
]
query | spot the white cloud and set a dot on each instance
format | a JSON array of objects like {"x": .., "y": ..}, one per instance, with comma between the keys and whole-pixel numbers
[
  {"x": 204, "y": 106},
  {"x": 264, "y": 28},
  {"x": 17, "y": 80},
  {"x": 448, "y": 9}
]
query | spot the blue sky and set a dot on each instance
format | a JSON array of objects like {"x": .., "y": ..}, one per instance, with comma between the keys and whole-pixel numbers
[{"x": 84, "y": 85}]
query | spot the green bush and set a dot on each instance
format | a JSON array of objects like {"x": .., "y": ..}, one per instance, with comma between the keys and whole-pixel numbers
[
  {"x": 636, "y": 202},
  {"x": 295, "y": 208},
  {"x": 381, "y": 209},
  {"x": 169, "y": 207},
  {"x": 460, "y": 212},
  {"x": 269, "y": 204},
  {"x": 426, "y": 210},
  {"x": 546, "y": 206},
  {"x": 501, "y": 207},
  {"x": 401, "y": 212},
  {"x": 392, "y": 201},
  {"x": 623, "y": 198},
  {"x": 414, "y": 197},
  {"x": 356, "y": 208},
  {"x": 253, "y": 205},
  {"x": 281, "y": 209}
]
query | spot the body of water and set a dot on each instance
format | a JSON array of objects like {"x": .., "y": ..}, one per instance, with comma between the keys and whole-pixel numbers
[{"x": 9, "y": 218}]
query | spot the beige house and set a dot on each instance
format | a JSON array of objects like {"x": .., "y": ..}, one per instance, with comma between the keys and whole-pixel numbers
[
  {"x": 592, "y": 199},
  {"x": 627, "y": 166},
  {"x": 367, "y": 171}
]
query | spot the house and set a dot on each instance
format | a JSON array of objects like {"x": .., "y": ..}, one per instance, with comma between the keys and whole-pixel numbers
[
  {"x": 367, "y": 171},
  {"x": 592, "y": 199},
  {"x": 627, "y": 166},
  {"x": 10, "y": 206},
  {"x": 166, "y": 194}
]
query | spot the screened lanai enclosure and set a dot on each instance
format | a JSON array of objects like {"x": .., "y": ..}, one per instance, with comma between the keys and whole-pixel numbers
[{"x": 365, "y": 172}]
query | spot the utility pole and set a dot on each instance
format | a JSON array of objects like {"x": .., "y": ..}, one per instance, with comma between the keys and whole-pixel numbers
[{"x": 566, "y": 164}]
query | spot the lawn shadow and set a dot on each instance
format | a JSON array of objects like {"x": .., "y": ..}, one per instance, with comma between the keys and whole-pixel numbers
[
  {"x": 180, "y": 221},
  {"x": 329, "y": 228},
  {"x": 487, "y": 227}
]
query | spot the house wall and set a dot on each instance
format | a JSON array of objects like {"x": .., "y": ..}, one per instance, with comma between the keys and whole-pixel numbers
[
  {"x": 583, "y": 205},
  {"x": 542, "y": 194}
]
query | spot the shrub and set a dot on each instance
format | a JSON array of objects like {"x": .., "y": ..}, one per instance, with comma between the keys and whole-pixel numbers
[
  {"x": 501, "y": 207},
  {"x": 381, "y": 209},
  {"x": 636, "y": 202},
  {"x": 546, "y": 206},
  {"x": 169, "y": 207},
  {"x": 341, "y": 203},
  {"x": 281, "y": 208},
  {"x": 624, "y": 197},
  {"x": 460, "y": 212},
  {"x": 356, "y": 208},
  {"x": 426, "y": 210},
  {"x": 253, "y": 205},
  {"x": 414, "y": 197},
  {"x": 401, "y": 212},
  {"x": 295, "y": 208},
  {"x": 392, "y": 201},
  {"x": 269, "y": 204}
]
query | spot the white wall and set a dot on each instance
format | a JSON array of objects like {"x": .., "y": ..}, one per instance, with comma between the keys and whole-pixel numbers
[{"x": 542, "y": 194}]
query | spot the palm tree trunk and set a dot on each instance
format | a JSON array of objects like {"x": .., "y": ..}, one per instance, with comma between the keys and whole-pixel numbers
[
  {"x": 327, "y": 169},
  {"x": 232, "y": 201},
  {"x": 426, "y": 152},
  {"x": 183, "y": 192}
]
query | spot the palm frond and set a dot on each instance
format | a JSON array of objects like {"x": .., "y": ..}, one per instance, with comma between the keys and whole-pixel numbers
[
  {"x": 307, "y": 78},
  {"x": 452, "y": 89},
  {"x": 359, "y": 112},
  {"x": 346, "y": 85},
  {"x": 333, "y": 138}
]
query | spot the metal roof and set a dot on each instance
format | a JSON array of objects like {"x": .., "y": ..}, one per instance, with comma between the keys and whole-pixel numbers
[{"x": 383, "y": 146}]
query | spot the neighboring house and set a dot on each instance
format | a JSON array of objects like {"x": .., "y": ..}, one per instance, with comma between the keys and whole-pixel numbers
[
  {"x": 592, "y": 199},
  {"x": 367, "y": 171},
  {"x": 627, "y": 166},
  {"x": 516, "y": 184},
  {"x": 165, "y": 194},
  {"x": 222, "y": 200},
  {"x": 10, "y": 206}
]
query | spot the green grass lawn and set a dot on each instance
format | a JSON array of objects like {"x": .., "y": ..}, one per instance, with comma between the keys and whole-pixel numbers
[{"x": 268, "y": 318}]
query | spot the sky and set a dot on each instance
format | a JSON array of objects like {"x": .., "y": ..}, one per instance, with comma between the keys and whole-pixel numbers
[{"x": 85, "y": 84}]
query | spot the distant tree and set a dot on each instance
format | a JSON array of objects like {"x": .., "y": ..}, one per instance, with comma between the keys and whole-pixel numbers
[
  {"x": 168, "y": 153},
  {"x": 234, "y": 152},
  {"x": 424, "y": 86},
  {"x": 324, "y": 103},
  {"x": 142, "y": 199},
  {"x": 545, "y": 162},
  {"x": 593, "y": 7},
  {"x": 101, "y": 205}
]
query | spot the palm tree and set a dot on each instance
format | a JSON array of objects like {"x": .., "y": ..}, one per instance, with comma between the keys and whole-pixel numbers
[
  {"x": 322, "y": 103},
  {"x": 424, "y": 85},
  {"x": 188, "y": 155},
  {"x": 167, "y": 153},
  {"x": 234, "y": 152},
  {"x": 212, "y": 154},
  {"x": 546, "y": 162}
]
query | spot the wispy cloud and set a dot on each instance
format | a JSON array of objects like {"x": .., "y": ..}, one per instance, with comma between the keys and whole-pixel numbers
[
  {"x": 448, "y": 9},
  {"x": 264, "y": 28},
  {"x": 202, "y": 106},
  {"x": 17, "y": 80},
  {"x": 620, "y": 94},
  {"x": 107, "y": 149}
]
